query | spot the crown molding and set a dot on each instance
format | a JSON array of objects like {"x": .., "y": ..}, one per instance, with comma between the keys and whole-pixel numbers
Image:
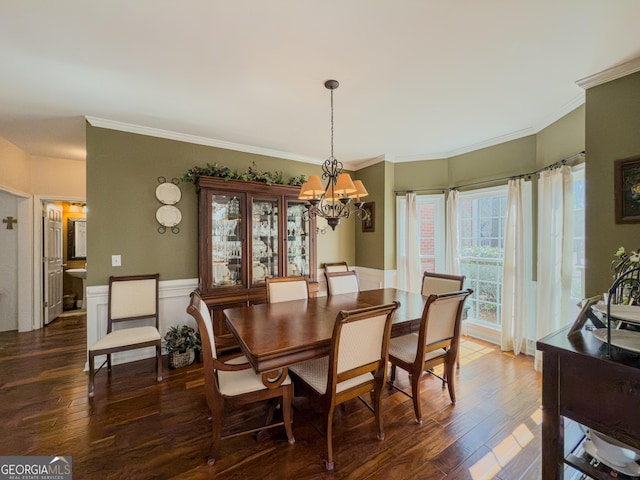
[
  {"x": 420, "y": 157},
  {"x": 184, "y": 137},
  {"x": 613, "y": 73},
  {"x": 566, "y": 109},
  {"x": 525, "y": 132}
]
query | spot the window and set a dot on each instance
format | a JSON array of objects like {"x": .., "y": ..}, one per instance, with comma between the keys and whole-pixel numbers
[
  {"x": 431, "y": 227},
  {"x": 577, "y": 281},
  {"x": 481, "y": 220}
]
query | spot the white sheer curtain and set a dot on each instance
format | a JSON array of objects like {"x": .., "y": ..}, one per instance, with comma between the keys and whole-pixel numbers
[
  {"x": 516, "y": 276},
  {"x": 408, "y": 244},
  {"x": 452, "y": 260},
  {"x": 555, "y": 249}
]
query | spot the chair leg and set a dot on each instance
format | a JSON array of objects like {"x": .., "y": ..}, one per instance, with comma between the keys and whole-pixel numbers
[
  {"x": 287, "y": 413},
  {"x": 328, "y": 431},
  {"x": 91, "y": 374},
  {"x": 159, "y": 363},
  {"x": 450, "y": 381},
  {"x": 392, "y": 376},
  {"x": 377, "y": 406},
  {"x": 216, "y": 430},
  {"x": 415, "y": 392},
  {"x": 108, "y": 362}
]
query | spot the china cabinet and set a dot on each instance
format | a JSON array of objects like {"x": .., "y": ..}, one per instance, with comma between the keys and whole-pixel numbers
[{"x": 249, "y": 231}]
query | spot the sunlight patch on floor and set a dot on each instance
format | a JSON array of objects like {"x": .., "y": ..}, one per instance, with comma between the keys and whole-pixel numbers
[
  {"x": 471, "y": 351},
  {"x": 489, "y": 465},
  {"x": 537, "y": 416}
]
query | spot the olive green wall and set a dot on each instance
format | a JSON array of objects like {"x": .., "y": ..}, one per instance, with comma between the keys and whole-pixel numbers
[
  {"x": 612, "y": 133},
  {"x": 562, "y": 139},
  {"x": 122, "y": 172},
  {"x": 506, "y": 159},
  {"x": 422, "y": 175},
  {"x": 122, "y": 175},
  {"x": 371, "y": 246}
]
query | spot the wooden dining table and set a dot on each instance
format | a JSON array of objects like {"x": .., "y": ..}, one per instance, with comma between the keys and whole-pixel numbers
[{"x": 277, "y": 335}]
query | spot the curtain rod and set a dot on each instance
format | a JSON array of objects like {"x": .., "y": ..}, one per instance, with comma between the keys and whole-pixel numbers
[{"x": 494, "y": 180}]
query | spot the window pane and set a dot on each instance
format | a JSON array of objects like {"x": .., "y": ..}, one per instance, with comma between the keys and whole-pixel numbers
[{"x": 481, "y": 229}]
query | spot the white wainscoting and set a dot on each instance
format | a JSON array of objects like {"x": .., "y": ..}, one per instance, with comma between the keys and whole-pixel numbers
[
  {"x": 368, "y": 279},
  {"x": 173, "y": 301}
]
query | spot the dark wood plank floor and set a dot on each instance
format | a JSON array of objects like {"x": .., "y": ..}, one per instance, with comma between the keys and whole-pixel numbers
[{"x": 136, "y": 428}]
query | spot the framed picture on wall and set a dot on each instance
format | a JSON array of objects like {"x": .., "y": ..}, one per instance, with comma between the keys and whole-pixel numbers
[
  {"x": 627, "y": 190},
  {"x": 369, "y": 223}
]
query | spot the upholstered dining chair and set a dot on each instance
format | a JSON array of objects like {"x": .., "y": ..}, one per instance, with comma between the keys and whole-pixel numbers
[
  {"x": 336, "y": 267},
  {"x": 436, "y": 343},
  {"x": 356, "y": 365},
  {"x": 230, "y": 381},
  {"x": 442, "y": 283},
  {"x": 130, "y": 298},
  {"x": 284, "y": 289},
  {"x": 342, "y": 282}
]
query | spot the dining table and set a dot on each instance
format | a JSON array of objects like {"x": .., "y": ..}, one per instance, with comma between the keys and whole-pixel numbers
[{"x": 274, "y": 336}]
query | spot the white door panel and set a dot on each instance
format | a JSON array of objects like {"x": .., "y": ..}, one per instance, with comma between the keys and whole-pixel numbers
[{"x": 52, "y": 259}]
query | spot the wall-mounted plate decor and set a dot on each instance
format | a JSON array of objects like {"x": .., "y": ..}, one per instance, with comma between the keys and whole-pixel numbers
[
  {"x": 168, "y": 193},
  {"x": 168, "y": 216}
]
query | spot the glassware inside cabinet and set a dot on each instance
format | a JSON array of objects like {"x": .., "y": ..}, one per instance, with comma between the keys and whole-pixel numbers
[
  {"x": 264, "y": 239},
  {"x": 226, "y": 240},
  {"x": 298, "y": 250}
]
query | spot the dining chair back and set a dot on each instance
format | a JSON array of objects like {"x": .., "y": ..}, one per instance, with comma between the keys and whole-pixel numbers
[
  {"x": 131, "y": 298},
  {"x": 285, "y": 289},
  {"x": 230, "y": 381},
  {"x": 356, "y": 364},
  {"x": 342, "y": 282},
  {"x": 441, "y": 283},
  {"x": 336, "y": 267},
  {"x": 436, "y": 343}
]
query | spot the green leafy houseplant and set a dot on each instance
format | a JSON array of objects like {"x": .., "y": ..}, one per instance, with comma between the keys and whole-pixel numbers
[
  {"x": 182, "y": 342},
  {"x": 253, "y": 174}
]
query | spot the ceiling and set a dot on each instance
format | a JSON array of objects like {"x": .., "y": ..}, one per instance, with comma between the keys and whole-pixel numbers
[{"x": 418, "y": 79}]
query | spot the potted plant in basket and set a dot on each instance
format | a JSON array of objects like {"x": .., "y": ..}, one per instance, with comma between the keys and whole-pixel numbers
[{"x": 182, "y": 342}]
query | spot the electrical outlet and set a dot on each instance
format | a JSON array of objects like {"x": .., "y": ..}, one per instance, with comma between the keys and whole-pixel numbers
[{"x": 116, "y": 260}]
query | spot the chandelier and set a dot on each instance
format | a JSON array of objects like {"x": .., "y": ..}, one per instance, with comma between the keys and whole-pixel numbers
[{"x": 341, "y": 196}]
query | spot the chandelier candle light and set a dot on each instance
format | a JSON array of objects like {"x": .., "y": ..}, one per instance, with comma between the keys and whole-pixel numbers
[{"x": 334, "y": 201}]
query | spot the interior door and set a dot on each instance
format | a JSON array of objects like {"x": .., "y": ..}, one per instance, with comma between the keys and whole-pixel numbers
[{"x": 52, "y": 261}]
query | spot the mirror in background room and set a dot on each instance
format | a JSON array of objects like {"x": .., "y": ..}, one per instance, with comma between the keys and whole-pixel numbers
[{"x": 77, "y": 238}]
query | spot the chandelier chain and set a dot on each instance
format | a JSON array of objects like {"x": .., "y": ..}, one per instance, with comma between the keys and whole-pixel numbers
[{"x": 332, "y": 157}]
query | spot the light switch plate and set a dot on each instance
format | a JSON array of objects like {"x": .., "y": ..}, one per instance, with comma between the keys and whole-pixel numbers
[{"x": 116, "y": 260}]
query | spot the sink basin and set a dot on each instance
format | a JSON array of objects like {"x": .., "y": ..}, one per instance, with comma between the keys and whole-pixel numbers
[{"x": 77, "y": 272}]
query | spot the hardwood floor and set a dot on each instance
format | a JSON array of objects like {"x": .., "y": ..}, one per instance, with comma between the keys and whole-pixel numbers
[{"x": 137, "y": 428}]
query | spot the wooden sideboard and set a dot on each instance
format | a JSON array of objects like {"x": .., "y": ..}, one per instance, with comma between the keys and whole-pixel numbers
[{"x": 580, "y": 383}]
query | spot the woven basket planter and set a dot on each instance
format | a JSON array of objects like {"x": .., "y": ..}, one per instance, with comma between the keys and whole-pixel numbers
[{"x": 177, "y": 359}]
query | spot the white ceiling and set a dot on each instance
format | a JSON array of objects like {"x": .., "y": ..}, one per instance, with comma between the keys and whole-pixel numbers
[{"x": 418, "y": 78}]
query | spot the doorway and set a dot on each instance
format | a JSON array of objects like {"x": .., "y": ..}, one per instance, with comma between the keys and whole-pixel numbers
[{"x": 63, "y": 252}]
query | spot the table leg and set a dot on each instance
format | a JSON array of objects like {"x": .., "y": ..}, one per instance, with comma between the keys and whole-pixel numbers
[{"x": 552, "y": 421}]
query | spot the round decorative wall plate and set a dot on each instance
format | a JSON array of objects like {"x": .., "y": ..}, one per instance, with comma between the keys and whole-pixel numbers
[
  {"x": 168, "y": 216},
  {"x": 168, "y": 193}
]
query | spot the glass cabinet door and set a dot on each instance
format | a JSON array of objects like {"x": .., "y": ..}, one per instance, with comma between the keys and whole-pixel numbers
[
  {"x": 298, "y": 248},
  {"x": 264, "y": 240},
  {"x": 226, "y": 240}
]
